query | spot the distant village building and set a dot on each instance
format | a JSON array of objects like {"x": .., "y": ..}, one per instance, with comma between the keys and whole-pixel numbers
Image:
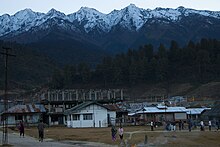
[
  {"x": 121, "y": 113},
  {"x": 30, "y": 114},
  {"x": 213, "y": 114},
  {"x": 58, "y": 101},
  {"x": 195, "y": 113},
  {"x": 90, "y": 114},
  {"x": 160, "y": 113}
]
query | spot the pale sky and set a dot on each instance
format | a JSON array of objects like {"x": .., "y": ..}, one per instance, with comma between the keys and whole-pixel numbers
[{"x": 104, "y": 6}]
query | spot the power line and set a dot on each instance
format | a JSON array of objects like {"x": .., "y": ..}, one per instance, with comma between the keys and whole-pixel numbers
[{"x": 5, "y": 119}]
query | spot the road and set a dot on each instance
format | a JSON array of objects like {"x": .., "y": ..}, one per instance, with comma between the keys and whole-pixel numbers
[{"x": 15, "y": 140}]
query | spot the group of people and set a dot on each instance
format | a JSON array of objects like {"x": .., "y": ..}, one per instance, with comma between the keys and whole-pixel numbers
[
  {"x": 114, "y": 133},
  {"x": 40, "y": 128},
  {"x": 210, "y": 124},
  {"x": 170, "y": 126}
]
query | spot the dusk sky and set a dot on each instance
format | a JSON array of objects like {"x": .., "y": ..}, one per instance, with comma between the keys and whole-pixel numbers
[{"x": 104, "y": 6}]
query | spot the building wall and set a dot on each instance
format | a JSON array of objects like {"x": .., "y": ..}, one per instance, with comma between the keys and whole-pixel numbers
[
  {"x": 11, "y": 120},
  {"x": 99, "y": 117},
  {"x": 180, "y": 116},
  {"x": 27, "y": 118},
  {"x": 112, "y": 115}
]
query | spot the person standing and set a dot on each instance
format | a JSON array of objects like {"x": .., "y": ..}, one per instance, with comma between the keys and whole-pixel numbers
[
  {"x": 174, "y": 125},
  {"x": 217, "y": 125},
  {"x": 201, "y": 125},
  {"x": 40, "y": 128},
  {"x": 152, "y": 125},
  {"x": 121, "y": 132},
  {"x": 180, "y": 125},
  {"x": 210, "y": 125},
  {"x": 21, "y": 128},
  {"x": 114, "y": 132}
]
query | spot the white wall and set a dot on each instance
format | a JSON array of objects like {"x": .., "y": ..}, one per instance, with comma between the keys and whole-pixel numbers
[
  {"x": 179, "y": 116},
  {"x": 11, "y": 120},
  {"x": 99, "y": 117},
  {"x": 34, "y": 118}
]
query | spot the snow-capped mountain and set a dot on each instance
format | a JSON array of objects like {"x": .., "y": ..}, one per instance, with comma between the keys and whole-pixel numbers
[
  {"x": 88, "y": 31},
  {"x": 131, "y": 17}
]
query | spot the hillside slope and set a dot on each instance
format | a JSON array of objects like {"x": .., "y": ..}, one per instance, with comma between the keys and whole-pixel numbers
[{"x": 28, "y": 69}]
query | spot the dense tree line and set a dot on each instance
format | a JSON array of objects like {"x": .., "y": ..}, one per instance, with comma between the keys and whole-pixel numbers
[{"x": 195, "y": 62}]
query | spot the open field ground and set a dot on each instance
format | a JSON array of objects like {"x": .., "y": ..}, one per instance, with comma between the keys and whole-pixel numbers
[{"x": 133, "y": 135}]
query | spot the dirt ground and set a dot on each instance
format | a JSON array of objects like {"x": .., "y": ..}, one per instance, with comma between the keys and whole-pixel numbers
[{"x": 133, "y": 135}]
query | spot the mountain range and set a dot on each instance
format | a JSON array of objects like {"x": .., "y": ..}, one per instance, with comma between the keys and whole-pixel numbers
[{"x": 88, "y": 35}]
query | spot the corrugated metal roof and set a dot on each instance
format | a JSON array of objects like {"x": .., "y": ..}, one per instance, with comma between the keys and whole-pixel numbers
[
  {"x": 30, "y": 108},
  {"x": 194, "y": 111},
  {"x": 113, "y": 107},
  {"x": 214, "y": 112},
  {"x": 160, "y": 110}
]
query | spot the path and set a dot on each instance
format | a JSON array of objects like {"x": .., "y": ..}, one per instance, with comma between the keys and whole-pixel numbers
[{"x": 17, "y": 141}]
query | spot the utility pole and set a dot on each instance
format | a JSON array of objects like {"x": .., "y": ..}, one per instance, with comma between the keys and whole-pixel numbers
[{"x": 5, "y": 119}]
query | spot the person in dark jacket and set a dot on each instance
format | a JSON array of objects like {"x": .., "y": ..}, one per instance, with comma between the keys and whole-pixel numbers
[
  {"x": 21, "y": 128},
  {"x": 40, "y": 128},
  {"x": 114, "y": 132}
]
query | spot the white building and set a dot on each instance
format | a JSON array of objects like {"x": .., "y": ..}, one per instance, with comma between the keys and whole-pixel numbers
[{"x": 90, "y": 114}]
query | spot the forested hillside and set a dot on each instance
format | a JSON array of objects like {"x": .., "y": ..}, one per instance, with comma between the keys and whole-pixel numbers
[
  {"x": 27, "y": 70},
  {"x": 194, "y": 63}
]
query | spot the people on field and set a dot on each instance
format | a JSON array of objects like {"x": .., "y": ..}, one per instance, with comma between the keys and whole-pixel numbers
[
  {"x": 189, "y": 125},
  {"x": 210, "y": 125},
  {"x": 152, "y": 125},
  {"x": 114, "y": 132},
  {"x": 180, "y": 125},
  {"x": 121, "y": 132},
  {"x": 202, "y": 125},
  {"x": 40, "y": 128},
  {"x": 217, "y": 125},
  {"x": 174, "y": 126},
  {"x": 21, "y": 128}
]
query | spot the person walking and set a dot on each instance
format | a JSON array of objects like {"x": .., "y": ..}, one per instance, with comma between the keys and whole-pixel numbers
[
  {"x": 152, "y": 125},
  {"x": 114, "y": 132},
  {"x": 180, "y": 125},
  {"x": 189, "y": 125},
  {"x": 217, "y": 125},
  {"x": 201, "y": 125},
  {"x": 121, "y": 132},
  {"x": 40, "y": 128},
  {"x": 210, "y": 125},
  {"x": 174, "y": 125},
  {"x": 21, "y": 128}
]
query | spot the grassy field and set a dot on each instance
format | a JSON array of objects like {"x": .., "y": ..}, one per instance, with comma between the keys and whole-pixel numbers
[{"x": 133, "y": 135}]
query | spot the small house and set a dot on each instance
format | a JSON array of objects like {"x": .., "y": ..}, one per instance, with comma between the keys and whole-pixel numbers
[
  {"x": 89, "y": 114},
  {"x": 30, "y": 114}
]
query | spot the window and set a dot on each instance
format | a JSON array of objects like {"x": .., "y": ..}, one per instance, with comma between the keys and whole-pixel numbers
[
  {"x": 87, "y": 116},
  {"x": 76, "y": 117},
  {"x": 18, "y": 117}
]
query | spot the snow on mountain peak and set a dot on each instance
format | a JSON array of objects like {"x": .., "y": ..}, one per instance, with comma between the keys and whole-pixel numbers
[
  {"x": 54, "y": 13},
  {"x": 86, "y": 13},
  {"x": 130, "y": 17},
  {"x": 24, "y": 14}
]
